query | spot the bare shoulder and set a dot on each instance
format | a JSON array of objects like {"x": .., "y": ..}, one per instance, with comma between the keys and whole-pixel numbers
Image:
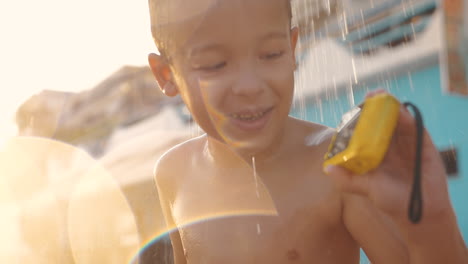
[
  {"x": 311, "y": 136},
  {"x": 173, "y": 165}
]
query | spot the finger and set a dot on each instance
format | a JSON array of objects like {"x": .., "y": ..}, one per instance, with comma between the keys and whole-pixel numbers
[
  {"x": 406, "y": 130},
  {"x": 348, "y": 181},
  {"x": 401, "y": 154},
  {"x": 407, "y": 124}
]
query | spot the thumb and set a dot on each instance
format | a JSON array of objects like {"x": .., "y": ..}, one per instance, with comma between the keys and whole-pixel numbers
[{"x": 348, "y": 181}]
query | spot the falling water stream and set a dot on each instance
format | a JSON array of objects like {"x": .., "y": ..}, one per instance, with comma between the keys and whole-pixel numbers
[
  {"x": 254, "y": 167},
  {"x": 255, "y": 175}
]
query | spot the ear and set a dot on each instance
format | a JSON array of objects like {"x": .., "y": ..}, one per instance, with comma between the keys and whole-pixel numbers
[
  {"x": 294, "y": 36},
  {"x": 162, "y": 72}
]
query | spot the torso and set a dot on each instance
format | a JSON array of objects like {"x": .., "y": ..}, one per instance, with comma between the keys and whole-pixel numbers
[{"x": 222, "y": 218}]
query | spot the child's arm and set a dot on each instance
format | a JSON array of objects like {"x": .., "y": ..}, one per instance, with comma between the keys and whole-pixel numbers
[
  {"x": 374, "y": 231},
  {"x": 436, "y": 239},
  {"x": 166, "y": 191}
]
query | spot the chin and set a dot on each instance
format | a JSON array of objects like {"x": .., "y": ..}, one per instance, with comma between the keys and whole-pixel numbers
[
  {"x": 250, "y": 147},
  {"x": 250, "y": 143}
]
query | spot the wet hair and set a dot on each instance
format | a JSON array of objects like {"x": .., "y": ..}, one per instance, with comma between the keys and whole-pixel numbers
[{"x": 161, "y": 39}]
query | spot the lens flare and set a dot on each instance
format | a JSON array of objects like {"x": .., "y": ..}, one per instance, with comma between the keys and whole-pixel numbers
[
  {"x": 101, "y": 224},
  {"x": 66, "y": 206},
  {"x": 201, "y": 219},
  {"x": 247, "y": 195}
]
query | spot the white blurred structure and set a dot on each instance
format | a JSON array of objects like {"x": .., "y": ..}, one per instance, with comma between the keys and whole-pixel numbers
[{"x": 326, "y": 63}]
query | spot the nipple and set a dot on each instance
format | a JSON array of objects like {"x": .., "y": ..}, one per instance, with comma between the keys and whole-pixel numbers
[{"x": 293, "y": 254}]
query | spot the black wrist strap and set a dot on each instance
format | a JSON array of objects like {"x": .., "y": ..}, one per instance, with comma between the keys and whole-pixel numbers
[{"x": 416, "y": 201}]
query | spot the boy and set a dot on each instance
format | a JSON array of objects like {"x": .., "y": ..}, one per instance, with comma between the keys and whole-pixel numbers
[{"x": 232, "y": 62}]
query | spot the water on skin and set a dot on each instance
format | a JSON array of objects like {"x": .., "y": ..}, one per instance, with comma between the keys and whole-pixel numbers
[
  {"x": 256, "y": 188},
  {"x": 255, "y": 177},
  {"x": 318, "y": 138}
]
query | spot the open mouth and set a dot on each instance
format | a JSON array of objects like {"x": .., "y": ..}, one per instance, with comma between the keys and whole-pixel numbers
[
  {"x": 251, "y": 120},
  {"x": 249, "y": 116}
]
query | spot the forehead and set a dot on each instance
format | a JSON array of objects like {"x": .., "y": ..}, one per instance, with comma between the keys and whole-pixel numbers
[{"x": 216, "y": 20}]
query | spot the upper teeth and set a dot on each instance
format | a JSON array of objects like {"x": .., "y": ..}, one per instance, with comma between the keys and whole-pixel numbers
[{"x": 248, "y": 116}]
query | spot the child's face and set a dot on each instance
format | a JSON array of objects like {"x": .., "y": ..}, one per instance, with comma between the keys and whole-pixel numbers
[{"x": 235, "y": 71}]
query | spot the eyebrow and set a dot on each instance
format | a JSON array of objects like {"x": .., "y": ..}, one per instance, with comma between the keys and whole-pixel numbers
[
  {"x": 215, "y": 47},
  {"x": 203, "y": 48},
  {"x": 274, "y": 35}
]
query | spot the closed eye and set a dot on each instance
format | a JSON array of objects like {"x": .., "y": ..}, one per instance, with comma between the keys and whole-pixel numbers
[
  {"x": 272, "y": 55},
  {"x": 213, "y": 67}
]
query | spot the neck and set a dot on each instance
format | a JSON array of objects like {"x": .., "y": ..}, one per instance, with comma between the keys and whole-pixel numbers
[{"x": 223, "y": 153}]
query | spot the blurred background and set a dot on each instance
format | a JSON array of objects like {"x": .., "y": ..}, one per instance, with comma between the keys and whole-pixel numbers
[{"x": 83, "y": 121}]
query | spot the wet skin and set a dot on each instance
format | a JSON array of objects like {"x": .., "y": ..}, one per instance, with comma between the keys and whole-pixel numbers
[
  {"x": 308, "y": 227},
  {"x": 314, "y": 222},
  {"x": 234, "y": 69}
]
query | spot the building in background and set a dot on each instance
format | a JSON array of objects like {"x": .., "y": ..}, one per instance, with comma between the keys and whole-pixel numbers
[
  {"x": 400, "y": 46},
  {"x": 454, "y": 59}
]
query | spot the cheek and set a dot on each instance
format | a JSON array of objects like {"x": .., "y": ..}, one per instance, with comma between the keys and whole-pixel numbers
[
  {"x": 213, "y": 91},
  {"x": 282, "y": 79},
  {"x": 204, "y": 97}
]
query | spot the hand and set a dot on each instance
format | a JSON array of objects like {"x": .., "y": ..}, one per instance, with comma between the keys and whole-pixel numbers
[{"x": 389, "y": 186}]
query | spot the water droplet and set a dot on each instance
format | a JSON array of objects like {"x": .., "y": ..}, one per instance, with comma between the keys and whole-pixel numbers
[
  {"x": 328, "y": 6},
  {"x": 319, "y": 102},
  {"x": 414, "y": 32},
  {"x": 350, "y": 95},
  {"x": 335, "y": 90},
  {"x": 353, "y": 64},
  {"x": 345, "y": 21},
  {"x": 254, "y": 167},
  {"x": 410, "y": 82}
]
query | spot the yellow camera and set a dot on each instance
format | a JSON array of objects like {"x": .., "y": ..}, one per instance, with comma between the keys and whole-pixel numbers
[{"x": 364, "y": 134}]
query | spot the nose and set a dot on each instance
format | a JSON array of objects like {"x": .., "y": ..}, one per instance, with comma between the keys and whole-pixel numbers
[{"x": 249, "y": 83}]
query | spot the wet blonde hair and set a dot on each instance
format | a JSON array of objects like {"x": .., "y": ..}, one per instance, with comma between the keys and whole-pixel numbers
[{"x": 166, "y": 13}]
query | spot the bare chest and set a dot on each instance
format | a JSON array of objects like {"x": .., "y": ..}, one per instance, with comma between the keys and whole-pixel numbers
[{"x": 254, "y": 221}]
